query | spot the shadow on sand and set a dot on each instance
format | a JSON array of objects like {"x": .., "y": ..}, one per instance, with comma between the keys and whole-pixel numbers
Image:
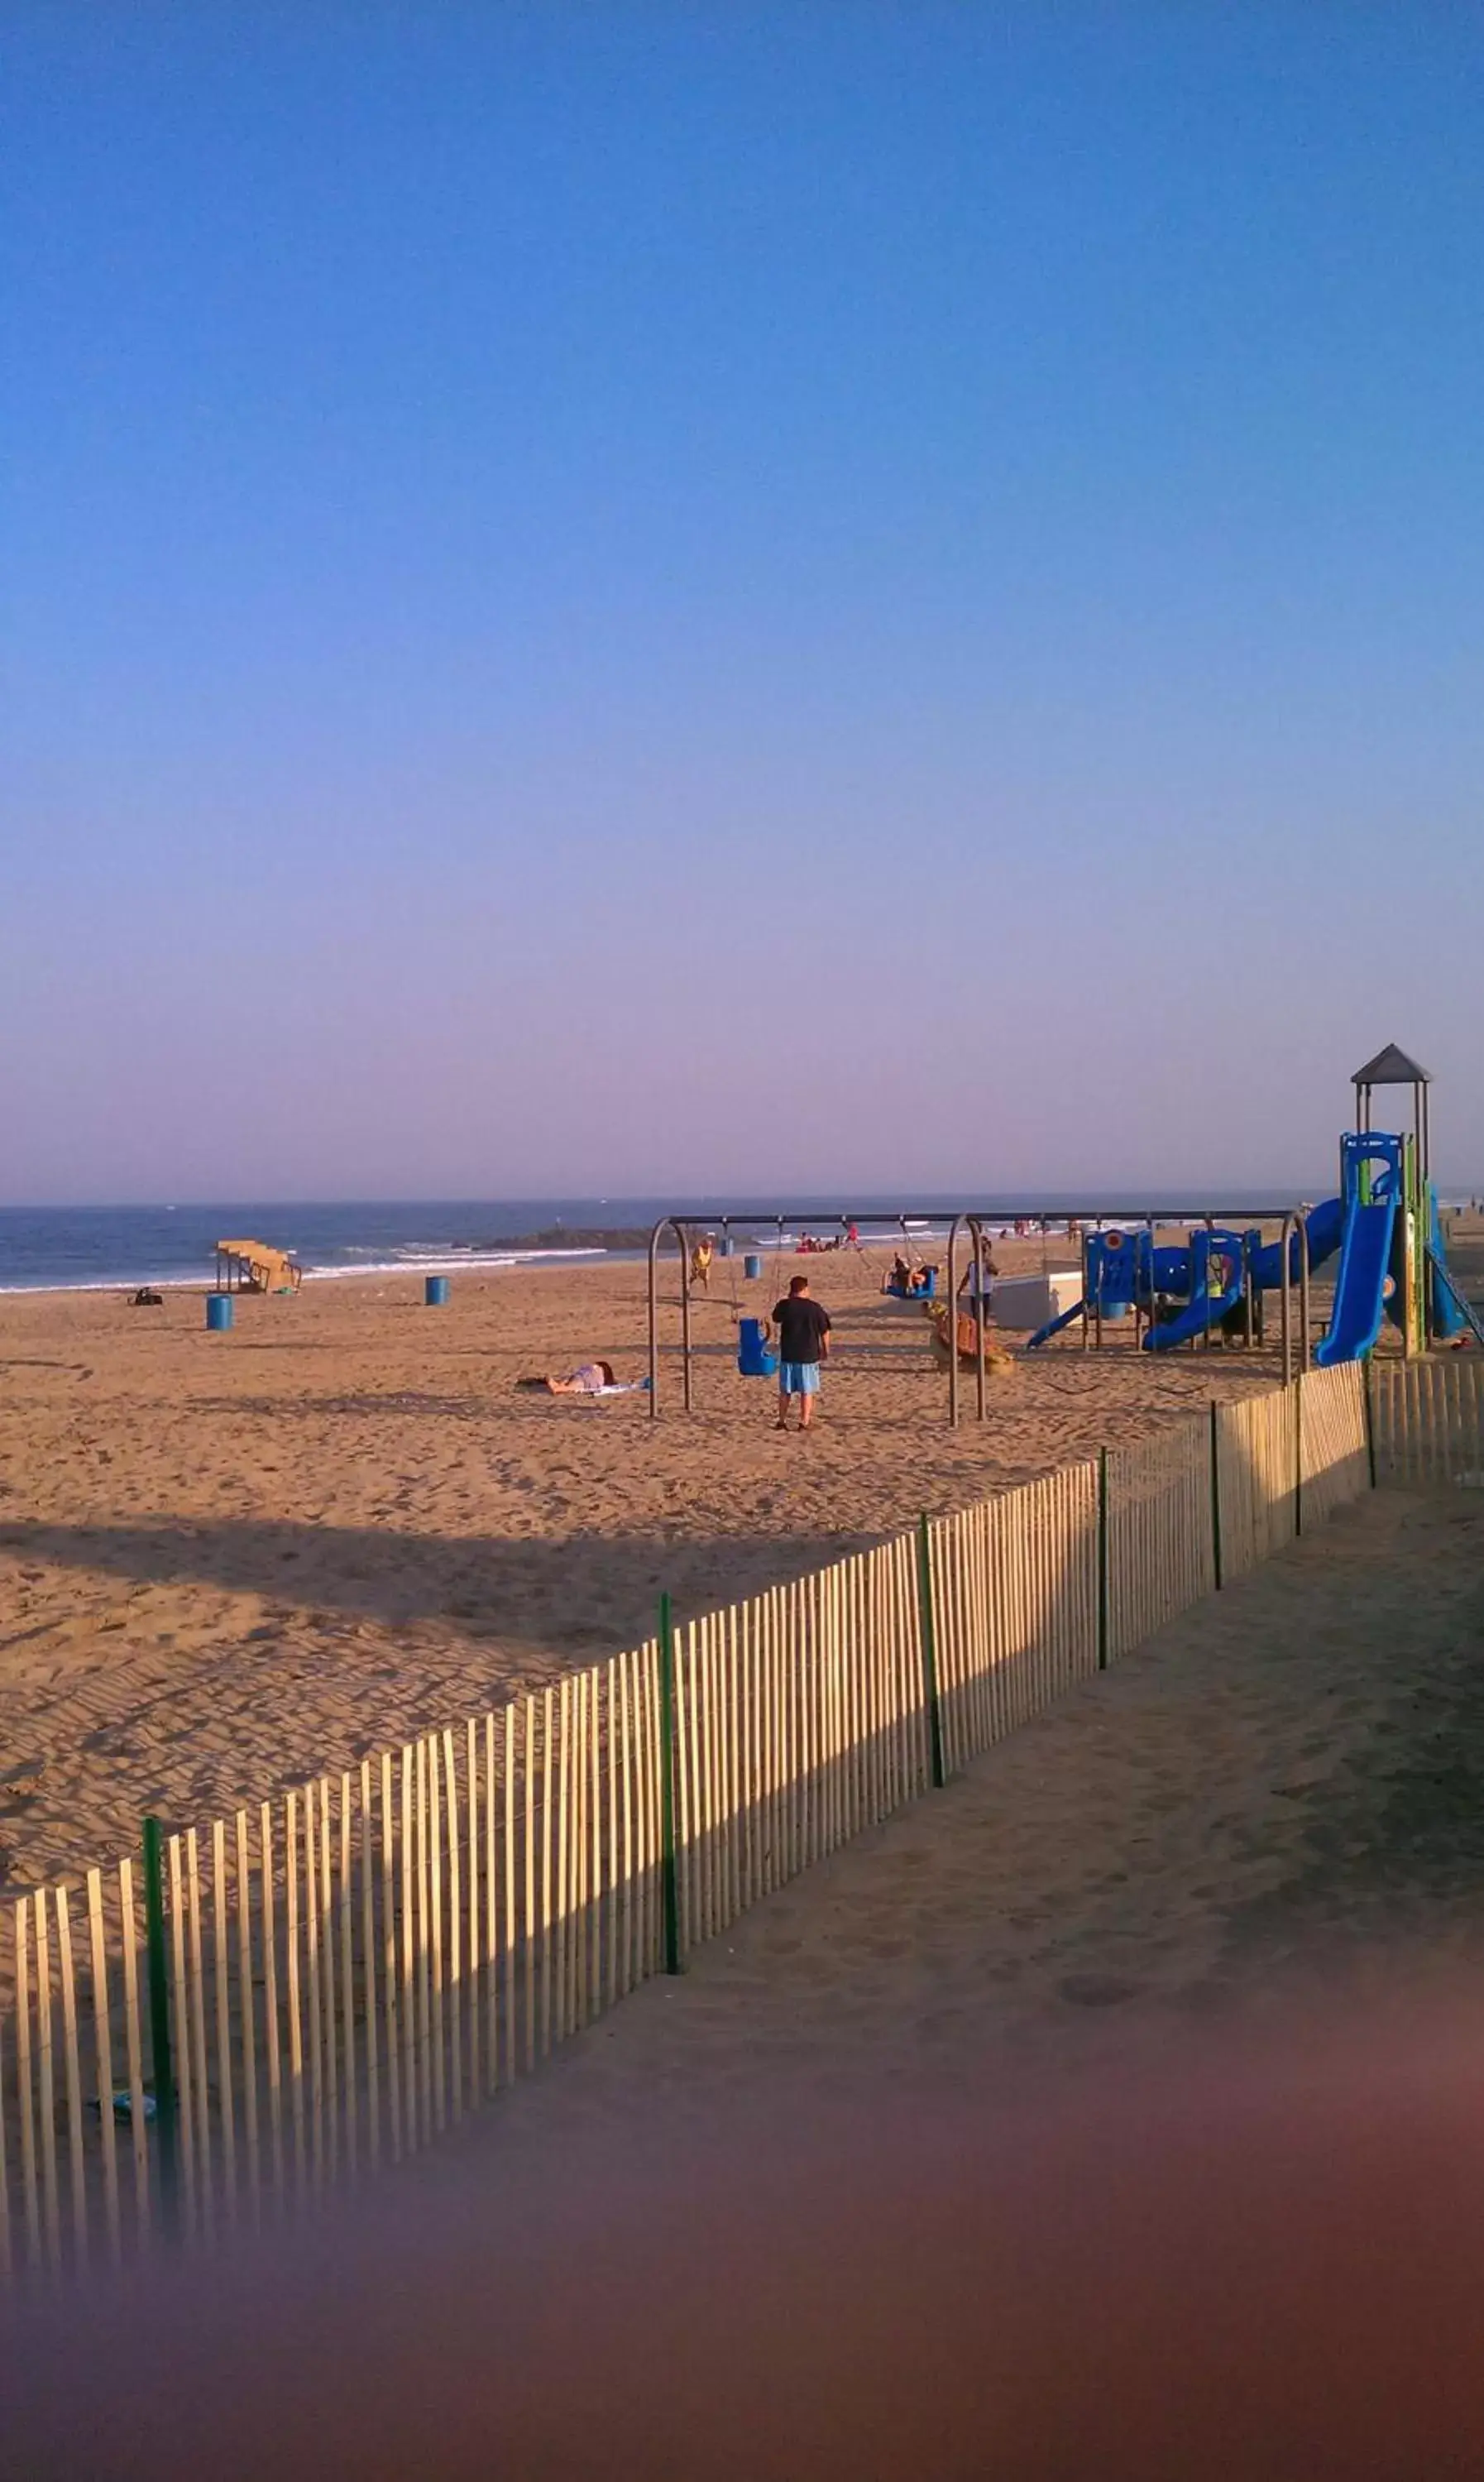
[{"x": 584, "y": 1590}]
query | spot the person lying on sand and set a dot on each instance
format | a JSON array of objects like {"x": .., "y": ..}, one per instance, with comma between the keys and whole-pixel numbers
[{"x": 589, "y": 1379}]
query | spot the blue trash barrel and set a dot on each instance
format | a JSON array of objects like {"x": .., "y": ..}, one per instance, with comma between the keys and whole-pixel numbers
[
  {"x": 752, "y": 1267},
  {"x": 727, "y": 1244},
  {"x": 219, "y": 1309},
  {"x": 434, "y": 1291}
]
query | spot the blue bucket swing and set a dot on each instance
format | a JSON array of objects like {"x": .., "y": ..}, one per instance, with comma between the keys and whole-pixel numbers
[
  {"x": 756, "y": 1359},
  {"x": 927, "y": 1290}
]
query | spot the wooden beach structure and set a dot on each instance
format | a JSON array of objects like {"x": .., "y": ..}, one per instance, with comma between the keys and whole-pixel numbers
[{"x": 256, "y": 1267}]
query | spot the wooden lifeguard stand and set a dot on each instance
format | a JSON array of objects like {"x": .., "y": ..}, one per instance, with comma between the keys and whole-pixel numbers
[{"x": 256, "y": 1267}]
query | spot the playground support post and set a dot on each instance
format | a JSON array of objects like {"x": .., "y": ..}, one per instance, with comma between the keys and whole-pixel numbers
[
  {"x": 1368, "y": 1406},
  {"x": 1294, "y": 1225},
  {"x": 929, "y": 1634},
  {"x": 982, "y": 1255},
  {"x": 672, "y": 1223},
  {"x": 976, "y": 1236},
  {"x": 1298, "y": 1454},
  {"x": 951, "y": 1306},
  {"x": 669, "y": 1900},
  {"x": 1285, "y": 1291},
  {"x": 1097, "y": 1306},
  {"x": 1216, "y": 1576},
  {"x": 1416, "y": 1301}
]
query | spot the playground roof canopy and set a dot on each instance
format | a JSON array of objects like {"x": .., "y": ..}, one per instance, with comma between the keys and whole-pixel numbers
[{"x": 1391, "y": 1067}]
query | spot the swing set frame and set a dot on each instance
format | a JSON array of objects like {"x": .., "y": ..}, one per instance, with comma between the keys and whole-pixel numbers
[
  {"x": 686, "y": 1229},
  {"x": 975, "y": 1221}
]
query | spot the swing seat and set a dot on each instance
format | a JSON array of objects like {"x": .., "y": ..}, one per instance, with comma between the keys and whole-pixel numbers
[
  {"x": 924, "y": 1292},
  {"x": 966, "y": 1337},
  {"x": 753, "y": 1359}
]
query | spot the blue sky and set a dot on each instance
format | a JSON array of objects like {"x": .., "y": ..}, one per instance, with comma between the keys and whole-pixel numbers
[{"x": 612, "y": 598}]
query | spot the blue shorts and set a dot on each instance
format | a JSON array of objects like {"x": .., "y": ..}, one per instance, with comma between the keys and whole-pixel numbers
[{"x": 799, "y": 1378}]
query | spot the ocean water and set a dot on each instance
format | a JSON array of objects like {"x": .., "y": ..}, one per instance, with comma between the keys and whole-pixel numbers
[
  {"x": 103, "y": 1246},
  {"x": 100, "y": 1247}
]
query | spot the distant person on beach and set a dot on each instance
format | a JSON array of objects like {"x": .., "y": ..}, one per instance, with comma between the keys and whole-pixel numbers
[
  {"x": 802, "y": 1344},
  {"x": 701, "y": 1263},
  {"x": 978, "y": 1278}
]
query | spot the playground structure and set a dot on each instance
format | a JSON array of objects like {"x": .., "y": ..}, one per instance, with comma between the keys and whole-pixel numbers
[
  {"x": 1185, "y": 1293},
  {"x": 1383, "y": 1224},
  {"x": 1384, "y": 1227},
  {"x": 1392, "y": 1222}
]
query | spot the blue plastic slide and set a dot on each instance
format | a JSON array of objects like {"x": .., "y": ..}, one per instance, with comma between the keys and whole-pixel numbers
[
  {"x": 1197, "y": 1318},
  {"x": 1324, "y": 1231},
  {"x": 1210, "y": 1270},
  {"x": 1054, "y": 1327},
  {"x": 1360, "y": 1285}
]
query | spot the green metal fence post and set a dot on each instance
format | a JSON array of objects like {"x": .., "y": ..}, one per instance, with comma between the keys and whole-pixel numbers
[
  {"x": 1371, "y": 1421},
  {"x": 1298, "y": 1453},
  {"x": 669, "y": 1903},
  {"x": 929, "y": 1653},
  {"x": 1216, "y": 1495},
  {"x": 158, "y": 1971},
  {"x": 1102, "y": 1559}
]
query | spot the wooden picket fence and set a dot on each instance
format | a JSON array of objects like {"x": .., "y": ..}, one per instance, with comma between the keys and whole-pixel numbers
[
  {"x": 338, "y": 1974},
  {"x": 1429, "y": 1419}
]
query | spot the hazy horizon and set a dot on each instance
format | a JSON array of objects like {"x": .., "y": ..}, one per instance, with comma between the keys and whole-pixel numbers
[
  {"x": 688, "y": 600},
  {"x": 736, "y": 1201}
]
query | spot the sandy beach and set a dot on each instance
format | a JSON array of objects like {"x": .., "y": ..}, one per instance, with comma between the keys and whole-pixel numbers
[{"x": 228, "y": 1562}]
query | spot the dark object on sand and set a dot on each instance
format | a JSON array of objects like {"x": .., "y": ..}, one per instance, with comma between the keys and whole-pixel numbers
[{"x": 147, "y": 1299}]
